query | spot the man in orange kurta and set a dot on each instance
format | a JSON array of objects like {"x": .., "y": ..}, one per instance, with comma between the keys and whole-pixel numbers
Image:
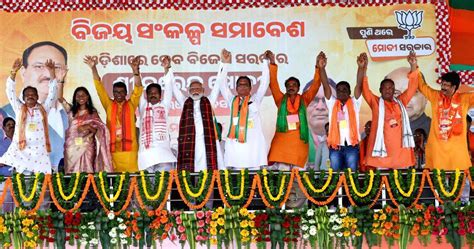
[
  {"x": 447, "y": 142},
  {"x": 290, "y": 145},
  {"x": 396, "y": 154}
]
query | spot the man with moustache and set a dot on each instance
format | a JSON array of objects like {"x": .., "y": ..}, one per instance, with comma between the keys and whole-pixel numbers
[
  {"x": 154, "y": 152},
  {"x": 120, "y": 116},
  {"x": 416, "y": 106},
  {"x": 198, "y": 142},
  {"x": 35, "y": 74}
]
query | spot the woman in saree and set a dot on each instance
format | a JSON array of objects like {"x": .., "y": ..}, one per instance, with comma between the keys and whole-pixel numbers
[{"x": 86, "y": 148}]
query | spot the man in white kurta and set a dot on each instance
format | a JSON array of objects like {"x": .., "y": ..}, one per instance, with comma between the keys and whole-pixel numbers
[
  {"x": 34, "y": 157},
  {"x": 200, "y": 161},
  {"x": 155, "y": 153},
  {"x": 251, "y": 154}
]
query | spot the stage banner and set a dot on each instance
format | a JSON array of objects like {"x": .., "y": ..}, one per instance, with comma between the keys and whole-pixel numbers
[{"x": 194, "y": 38}]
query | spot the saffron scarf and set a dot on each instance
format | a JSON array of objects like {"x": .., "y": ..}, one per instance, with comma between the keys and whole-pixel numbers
[
  {"x": 22, "y": 137},
  {"x": 334, "y": 129},
  {"x": 187, "y": 135},
  {"x": 126, "y": 127},
  {"x": 288, "y": 107},
  {"x": 449, "y": 116},
  {"x": 241, "y": 112}
]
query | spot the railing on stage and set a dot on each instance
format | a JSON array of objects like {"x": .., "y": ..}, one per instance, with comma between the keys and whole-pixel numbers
[{"x": 264, "y": 188}]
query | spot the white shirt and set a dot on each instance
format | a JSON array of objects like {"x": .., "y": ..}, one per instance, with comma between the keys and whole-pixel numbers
[{"x": 344, "y": 131}]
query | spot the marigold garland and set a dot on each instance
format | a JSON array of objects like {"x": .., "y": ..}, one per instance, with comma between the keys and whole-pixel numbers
[
  {"x": 375, "y": 198},
  {"x": 369, "y": 188},
  {"x": 329, "y": 199},
  {"x": 38, "y": 203},
  {"x": 424, "y": 175},
  {"x": 60, "y": 186},
  {"x": 242, "y": 185},
  {"x": 119, "y": 191},
  {"x": 201, "y": 188},
  {"x": 441, "y": 184},
  {"x": 250, "y": 196},
  {"x": 437, "y": 196},
  {"x": 33, "y": 190},
  {"x": 6, "y": 187},
  {"x": 183, "y": 196},
  {"x": 324, "y": 187},
  {"x": 145, "y": 189},
  {"x": 127, "y": 201},
  {"x": 164, "y": 200},
  {"x": 280, "y": 201},
  {"x": 78, "y": 204},
  {"x": 412, "y": 184},
  {"x": 267, "y": 188}
]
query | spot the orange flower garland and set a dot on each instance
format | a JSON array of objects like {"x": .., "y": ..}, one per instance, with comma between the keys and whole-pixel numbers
[
  {"x": 220, "y": 187},
  {"x": 6, "y": 186},
  {"x": 127, "y": 201},
  {"x": 46, "y": 180},
  {"x": 165, "y": 200},
  {"x": 420, "y": 190},
  {"x": 183, "y": 197},
  {"x": 353, "y": 203},
  {"x": 264, "y": 199},
  {"x": 342, "y": 178},
  {"x": 433, "y": 189},
  {"x": 90, "y": 178}
]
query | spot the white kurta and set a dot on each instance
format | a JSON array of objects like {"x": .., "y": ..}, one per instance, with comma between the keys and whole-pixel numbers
[
  {"x": 343, "y": 116},
  {"x": 159, "y": 150},
  {"x": 252, "y": 153},
  {"x": 34, "y": 157},
  {"x": 200, "y": 161}
]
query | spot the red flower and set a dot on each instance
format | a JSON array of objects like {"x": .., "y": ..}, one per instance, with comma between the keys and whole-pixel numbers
[
  {"x": 267, "y": 239},
  {"x": 200, "y": 230},
  {"x": 286, "y": 239},
  {"x": 67, "y": 238},
  {"x": 50, "y": 240},
  {"x": 296, "y": 219},
  {"x": 52, "y": 231},
  {"x": 178, "y": 220},
  {"x": 200, "y": 214},
  {"x": 295, "y": 240},
  {"x": 208, "y": 213},
  {"x": 67, "y": 230},
  {"x": 182, "y": 237},
  {"x": 462, "y": 232},
  {"x": 443, "y": 231},
  {"x": 76, "y": 236},
  {"x": 201, "y": 223},
  {"x": 266, "y": 232},
  {"x": 286, "y": 224},
  {"x": 181, "y": 229},
  {"x": 259, "y": 239},
  {"x": 173, "y": 237}
]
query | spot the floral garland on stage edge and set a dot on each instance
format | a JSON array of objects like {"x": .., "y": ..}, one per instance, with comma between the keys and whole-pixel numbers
[
  {"x": 114, "y": 198},
  {"x": 72, "y": 198},
  {"x": 312, "y": 188},
  {"x": 403, "y": 191},
  {"x": 199, "y": 193},
  {"x": 274, "y": 192},
  {"x": 36, "y": 191},
  {"x": 368, "y": 195},
  {"x": 156, "y": 195},
  {"x": 442, "y": 193},
  {"x": 242, "y": 197}
]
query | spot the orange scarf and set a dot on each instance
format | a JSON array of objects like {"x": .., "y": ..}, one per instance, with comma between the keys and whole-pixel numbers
[
  {"x": 334, "y": 135},
  {"x": 239, "y": 130},
  {"x": 449, "y": 116},
  {"x": 126, "y": 127},
  {"x": 24, "y": 115}
]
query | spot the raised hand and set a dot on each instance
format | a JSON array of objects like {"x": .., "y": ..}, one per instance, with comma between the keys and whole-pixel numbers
[
  {"x": 321, "y": 60},
  {"x": 270, "y": 56},
  {"x": 226, "y": 56},
  {"x": 362, "y": 61},
  {"x": 61, "y": 75},
  {"x": 412, "y": 60},
  {"x": 135, "y": 65},
  {"x": 50, "y": 66},
  {"x": 17, "y": 64},
  {"x": 91, "y": 62}
]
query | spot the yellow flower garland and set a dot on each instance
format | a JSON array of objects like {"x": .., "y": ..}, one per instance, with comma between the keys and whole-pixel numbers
[
  {"x": 412, "y": 184},
  {"x": 324, "y": 187},
  {"x": 441, "y": 185},
  {"x": 74, "y": 189},
  {"x": 160, "y": 186},
  {"x": 242, "y": 185},
  {"x": 201, "y": 189},
  {"x": 267, "y": 188},
  {"x": 33, "y": 191},
  {"x": 117, "y": 194},
  {"x": 369, "y": 188}
]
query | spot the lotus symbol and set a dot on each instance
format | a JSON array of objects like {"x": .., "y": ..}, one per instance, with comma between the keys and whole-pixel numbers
[{"x": 409, "y": 20}]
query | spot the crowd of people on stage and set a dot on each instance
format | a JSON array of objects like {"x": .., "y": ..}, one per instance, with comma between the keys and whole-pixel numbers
[{"x": 30, "y": 139}]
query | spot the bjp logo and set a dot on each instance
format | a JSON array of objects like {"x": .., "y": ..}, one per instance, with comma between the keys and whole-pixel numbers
[{"x": 409, "y": 20}]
